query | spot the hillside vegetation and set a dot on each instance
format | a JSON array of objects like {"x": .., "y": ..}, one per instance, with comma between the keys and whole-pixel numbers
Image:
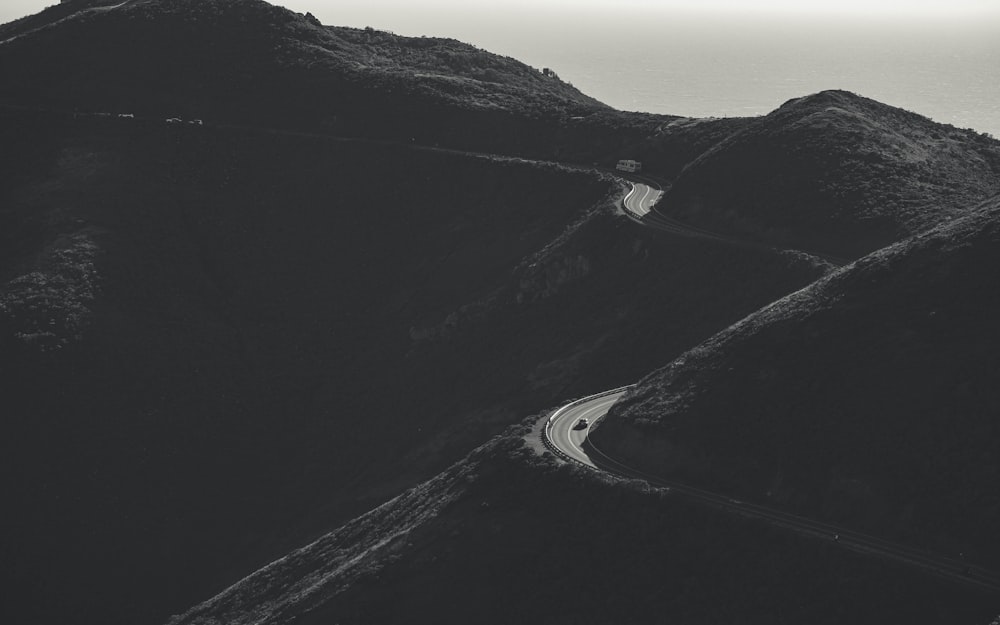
[
  {"x": 837, "y": 173},
  {"x": 218, "y": 342},
  {"x": 507, "y": 537},
  {"x": 869, "y": 398},
  {"x": 225, "y": 38},
  {"x": 252, "y": 63},
  {"x": 207, "y": 321},
  {"x": 246, "y": 62}
]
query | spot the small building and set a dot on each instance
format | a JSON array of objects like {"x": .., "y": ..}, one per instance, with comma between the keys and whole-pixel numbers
[{"x": 629, "y": 165}]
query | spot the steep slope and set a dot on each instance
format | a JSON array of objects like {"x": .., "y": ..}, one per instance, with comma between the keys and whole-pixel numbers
[
  {"x": 218, "y": 342},
  {"x": 239, "y": 40},
  {"x": 193, "y": 319},
  {"x": 869, "y": 398},
  {"x": 836, "y": 173},
  {"x": 248, "y": 62},
  {"x": 507, "y": 537}
]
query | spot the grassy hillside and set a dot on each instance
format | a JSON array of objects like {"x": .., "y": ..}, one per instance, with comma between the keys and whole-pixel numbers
[
  {"x": 836, "y": 173},
  {"x": 219, "y": 342},
  {"x": 248, "y": 63},
  {"x": 192, "y": 320},
  {"x": 505, "y": 536},
  {"x": 252, "y": 63},
  {"x": 869, "y": 398},
  {"x": 253, "y": 47}
]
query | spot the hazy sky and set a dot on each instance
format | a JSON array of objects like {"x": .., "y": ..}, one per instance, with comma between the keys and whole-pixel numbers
[
  {"x": 439, "y": 17},
  {"x": 716, "y": 57},
  {"x": 348, "y": 12}
]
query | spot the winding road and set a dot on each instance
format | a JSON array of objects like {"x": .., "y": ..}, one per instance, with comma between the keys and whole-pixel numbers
[
  {"x": 564, "y": 434},
  {"x": 640, "y": 206},
  {"x": 640, "y": 200},
  {"x": 567, "y": 435}
]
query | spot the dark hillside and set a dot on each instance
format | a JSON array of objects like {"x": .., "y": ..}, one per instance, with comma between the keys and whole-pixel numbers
[
  {"x": 239, "y": 40},
  {"x": 869, "y": 398},
  {"x": 50, "y": 15},
  {"x": 182, "y": 311},
  {"x": 678, "y": 142},
  {"x": 217, "y": 343},
  {"x": 252, "y": 38},
  {"x": 250, "y": 63},
  {"x": 837, "y": 173},
  {"x": 507, "y": 537},
  {"x": 220, "y": 340}
]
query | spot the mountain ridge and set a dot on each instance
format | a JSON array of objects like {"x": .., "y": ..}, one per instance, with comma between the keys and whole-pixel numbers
[
  {"x": 533, "y": 519},
  {"x": 222, "y": 338},
  {"x": 899, "y": 349},
  {"x": 249, "y": 62},
  {"x": 257, "y": 324},
  {"x": 838, "y": 173}
]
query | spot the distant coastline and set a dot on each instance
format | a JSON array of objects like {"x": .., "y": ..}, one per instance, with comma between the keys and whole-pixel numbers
[
  {"x": 683, "y": 65},
  {"x": 658, "y": 62}
]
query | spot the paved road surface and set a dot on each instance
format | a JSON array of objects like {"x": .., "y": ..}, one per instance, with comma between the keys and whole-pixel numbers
[
  {"x": 561, "y": 429},
  {"x": 640, "y": 205},
  {"x": 641, "y": 199},
  {"x": 573, "y": 444}
]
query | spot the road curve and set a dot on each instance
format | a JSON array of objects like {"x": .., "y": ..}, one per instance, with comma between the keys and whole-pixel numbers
[
  {"x": 640, "y": 200},
  {"x": 561, "y": 430},
  {"x": 562, "y": 435},
  {"x": 640, "y": 205}
]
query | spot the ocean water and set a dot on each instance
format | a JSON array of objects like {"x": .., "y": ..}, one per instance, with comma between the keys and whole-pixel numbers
[
  {"x": 951, "y": 77},
  {"x": 697, "y": 64}
]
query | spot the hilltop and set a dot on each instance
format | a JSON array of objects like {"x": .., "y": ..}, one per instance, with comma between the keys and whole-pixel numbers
[
  {"x": 254, "y": 47},
  {"x": 868, "y": 398},
  {"x": 837, "y": 173},
  {"x": 219, "y": 339},
  {"x": 247, "y": 62}
]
